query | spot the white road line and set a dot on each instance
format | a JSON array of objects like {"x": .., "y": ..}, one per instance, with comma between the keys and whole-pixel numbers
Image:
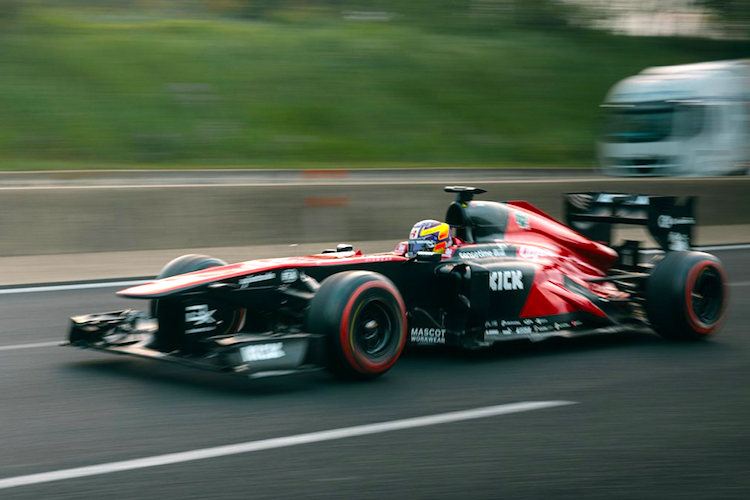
[
  {"x": 740, "y": 283},
  {"x": 374, "y": 182},
  {"x": 282, "y": 442},
  {"x": 29, "y": 346},
  {"x": 108, "y": 284},
  {"x": 710, "y": 248},
  {"x": 77, "y": 286}
]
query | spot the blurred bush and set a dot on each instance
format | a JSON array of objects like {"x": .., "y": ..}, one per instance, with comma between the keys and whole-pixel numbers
[
  {"x": 9, "y": 10},
  {"x": 733, "y": 15},
  {"x": 292, "y": 82}
]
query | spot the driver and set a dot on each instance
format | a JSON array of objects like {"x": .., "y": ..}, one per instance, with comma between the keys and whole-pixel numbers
[{"x": 429, "y": 236}]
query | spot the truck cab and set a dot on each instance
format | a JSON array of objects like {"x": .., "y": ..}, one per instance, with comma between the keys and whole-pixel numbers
[{"x": 688, "y": 120}]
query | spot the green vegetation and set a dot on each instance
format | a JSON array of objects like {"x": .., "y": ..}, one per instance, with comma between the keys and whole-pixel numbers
[{"x": 81, "y": 89}]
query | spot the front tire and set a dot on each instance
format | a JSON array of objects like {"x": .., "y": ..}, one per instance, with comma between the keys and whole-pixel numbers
[
  {"x": 182, "y": 265},
  {"x": 364, "y": 317},
  {"x": 687, "y": 296},
  {"x": 170, "y": 313}
]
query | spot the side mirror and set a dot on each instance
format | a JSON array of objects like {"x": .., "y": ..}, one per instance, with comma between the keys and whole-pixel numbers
[{"x": 428, "y": 257}]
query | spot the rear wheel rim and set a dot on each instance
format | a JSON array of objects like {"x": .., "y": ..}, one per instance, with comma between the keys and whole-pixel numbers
[{"x": 707, "y": 295}]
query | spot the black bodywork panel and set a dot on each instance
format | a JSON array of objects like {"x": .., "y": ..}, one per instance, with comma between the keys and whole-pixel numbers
[{"x": 255, "y": 323}]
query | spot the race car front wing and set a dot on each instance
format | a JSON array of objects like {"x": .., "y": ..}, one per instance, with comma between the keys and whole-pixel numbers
[{"x": 133, "y": 333}]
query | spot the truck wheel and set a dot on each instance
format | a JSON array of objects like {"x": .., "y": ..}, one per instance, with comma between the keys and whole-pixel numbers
[
  {"x": 364, "y": 317},
  {"x": 170, "y": 313},
  {"x": 687, "y": 296}
]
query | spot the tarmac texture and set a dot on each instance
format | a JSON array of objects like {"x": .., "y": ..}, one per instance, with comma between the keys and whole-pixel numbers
[{"x": 651, "y": 419}]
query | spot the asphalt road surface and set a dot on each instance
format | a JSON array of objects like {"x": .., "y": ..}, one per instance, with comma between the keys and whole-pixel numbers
[{"x": 651, "y": 419}]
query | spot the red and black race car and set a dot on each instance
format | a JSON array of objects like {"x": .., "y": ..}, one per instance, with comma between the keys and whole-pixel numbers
[{"x": 513, "y": 272}]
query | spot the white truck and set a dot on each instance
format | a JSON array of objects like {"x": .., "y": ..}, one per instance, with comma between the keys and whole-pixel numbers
[{"x": 686, "y": 120}]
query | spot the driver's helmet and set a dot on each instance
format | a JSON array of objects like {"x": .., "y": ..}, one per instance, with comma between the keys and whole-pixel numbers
[{"x": 429, "y": 236}]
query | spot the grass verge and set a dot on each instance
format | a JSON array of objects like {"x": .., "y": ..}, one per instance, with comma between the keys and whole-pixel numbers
[{"x": 82, "y": 90}]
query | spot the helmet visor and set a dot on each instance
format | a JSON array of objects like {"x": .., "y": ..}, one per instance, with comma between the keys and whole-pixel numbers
[{"x": 420, "y": 246}]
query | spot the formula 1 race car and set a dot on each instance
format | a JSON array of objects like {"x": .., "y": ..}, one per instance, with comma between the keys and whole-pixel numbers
[{"x": 512, "y": 272}]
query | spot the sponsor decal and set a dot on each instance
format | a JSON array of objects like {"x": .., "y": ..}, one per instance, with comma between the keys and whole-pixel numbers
[
  {"x": 428, "y": 335},
  {"x": 249, "y": 280},
  {"x": 522, "y": 221},
  {"x": 527, "y": 327},
  {"x": 609, "y": 198},
  {"x": 667, "y": 221},
  {"x": 506, "y": 280},
  {"x": 532, "y": 253},
  {"x": 476, "y": 254},
  {"x": 521, "y": 330},
  {"x": 262, "y": 352},
  {"x": 502, "y": 249},
  {"x": 526, "y": 252},
  {"x": 289, "y": 275},
  {"x": 378, "y": 258},
  {"x": 200, "y": 315},
  {"x": 580, "y": 201},
  {"x": 533, "y": 330},
  {"x": 678, "y": 241}
]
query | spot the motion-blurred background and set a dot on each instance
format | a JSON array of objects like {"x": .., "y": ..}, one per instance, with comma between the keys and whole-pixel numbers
[
  {"x": 344, "y": 83},
  {"x": 296, "y": 98}
]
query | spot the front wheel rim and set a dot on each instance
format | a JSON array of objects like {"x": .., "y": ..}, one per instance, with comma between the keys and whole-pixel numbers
[
  {"x": 374, "y": 328},
  {"x": 707, "y": 295}
]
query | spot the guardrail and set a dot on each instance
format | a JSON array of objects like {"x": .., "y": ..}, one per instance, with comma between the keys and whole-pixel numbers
[{"x": 48, "y": 220}]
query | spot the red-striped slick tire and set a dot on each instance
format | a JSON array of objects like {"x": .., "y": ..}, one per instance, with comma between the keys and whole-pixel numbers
[
  {"x": 364, "y": 318},
  {"x": 687, "y": 296}
]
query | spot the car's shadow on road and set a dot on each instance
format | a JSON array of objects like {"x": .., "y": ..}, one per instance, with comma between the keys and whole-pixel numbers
[
  {"x": 185, "y": 378},
  {"x": 438, "y": 358},
  {"x": 549, "y": 346},
  {"x": 642, "y": 341}
]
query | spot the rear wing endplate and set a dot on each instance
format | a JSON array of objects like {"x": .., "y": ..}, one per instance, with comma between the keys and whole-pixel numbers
[{"x": 669, "y": 219}]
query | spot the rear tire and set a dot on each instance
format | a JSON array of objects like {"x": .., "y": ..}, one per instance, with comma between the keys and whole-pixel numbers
[
  {"x": 364, "y": 317},
  {"x": 687, "y": 296}
]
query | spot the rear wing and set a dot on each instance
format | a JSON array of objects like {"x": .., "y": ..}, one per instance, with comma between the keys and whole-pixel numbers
[{"x": 669, "y": 219}]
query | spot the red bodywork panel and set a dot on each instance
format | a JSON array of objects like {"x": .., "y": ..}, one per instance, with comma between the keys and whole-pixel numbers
[
  {"x": 570, "y": 254},
  {"x": 546, "y": 229},
  {"x": 556, "y": 252},
  {"x": 167, "y": 286}
]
